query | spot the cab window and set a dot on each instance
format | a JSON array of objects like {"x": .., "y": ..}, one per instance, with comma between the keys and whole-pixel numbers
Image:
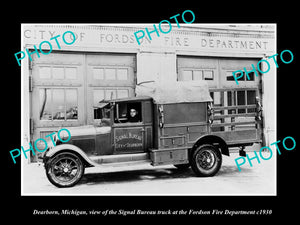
[{"x": 128, "y": 112}]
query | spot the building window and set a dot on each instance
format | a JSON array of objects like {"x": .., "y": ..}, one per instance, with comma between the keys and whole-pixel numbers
[
  {"x": 70, "y": 73},
  {"x": 110, "y": 74},
  {"x": 240, "y": 98},
  {"x": 98, "y": 73},
  {"x": 58, "y": 104},
  {"x": 251, "y": 99},
  {"x": 109, "y": 94},
  {"x": 57, "y": 72},
  {"x": 229, "y": 76},
  {"x": 45, "y": 72},
  {"x": 208, "y": 75},
  {"x": 120, "y": 74},
  {"x": 197, "y": 74},
  {"x": 187, "y": 75}
]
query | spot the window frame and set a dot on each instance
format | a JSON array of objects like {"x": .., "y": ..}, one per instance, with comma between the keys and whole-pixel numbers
[
  {"x": 245, "y": 98},
  {"x": 242, "y": 79},
  {"x": 193, "y": 70},
  {"x": 115, "y": 113},
  {"x": 52, "y": 120}
]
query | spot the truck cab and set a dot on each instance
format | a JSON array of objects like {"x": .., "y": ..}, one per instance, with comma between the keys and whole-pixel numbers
[
  {"x": 161, "y": 126},
  {"x": 132, "y": 125}
]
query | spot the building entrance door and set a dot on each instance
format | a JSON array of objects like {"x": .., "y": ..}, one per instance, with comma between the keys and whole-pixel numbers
[{"x": 57, "y": 95}]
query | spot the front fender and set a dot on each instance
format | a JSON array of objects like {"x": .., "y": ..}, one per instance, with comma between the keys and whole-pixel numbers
[{"x": 70, "y": 148}]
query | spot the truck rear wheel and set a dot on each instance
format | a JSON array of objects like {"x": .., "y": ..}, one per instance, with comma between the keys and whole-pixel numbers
[
  {"x": 64, "y": 169},
  {"x": 206, "y": 160}
]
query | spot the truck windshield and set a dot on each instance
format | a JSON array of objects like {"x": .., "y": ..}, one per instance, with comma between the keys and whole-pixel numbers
[
  {"x": 105, "y": 116},
  {"x": 105, "y": 113},
  {"x": 102, "y": 111}
]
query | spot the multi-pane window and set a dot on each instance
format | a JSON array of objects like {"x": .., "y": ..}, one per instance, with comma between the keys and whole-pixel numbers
[
  {"x": 197, "y": 74},
  {"x": 110, "y": 73},
  {"x": 240, "y": 98},
  {"x": 229, "y": 76},
  {"x": 234, "y": 108},
  {"x": 108, "y": 94},
  {"x": 57, "y": 72},
  {"x": 109, "y": 83},
  {"x": 58, "y": 104}
]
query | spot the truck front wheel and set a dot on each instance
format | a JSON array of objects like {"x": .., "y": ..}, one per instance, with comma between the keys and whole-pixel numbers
[
  {"x": 206, "y": 160},
  {"x": 64, "y": 169}
]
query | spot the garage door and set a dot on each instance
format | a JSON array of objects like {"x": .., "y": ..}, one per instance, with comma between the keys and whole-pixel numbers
[
  {"x": 108, "y": 77},
  {"x": 223, "y": 89},
  {"x": 65, "y": 87},
  {"x": 216, "y": 71}
]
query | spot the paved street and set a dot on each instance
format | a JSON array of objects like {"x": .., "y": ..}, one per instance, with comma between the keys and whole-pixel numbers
[{"x": 164, "y": 180}]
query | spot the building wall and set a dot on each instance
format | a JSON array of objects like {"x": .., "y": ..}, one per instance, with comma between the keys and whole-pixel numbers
[
  {"x": 158, "y": 59},
  {"x": 269, "y": 104}
]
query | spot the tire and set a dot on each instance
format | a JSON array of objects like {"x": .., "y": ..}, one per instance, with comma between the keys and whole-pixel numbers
[
  {"x": 182, "y": 166},
  {"x": 64, "y": 169},
  {"x": 206, "y": 160}
]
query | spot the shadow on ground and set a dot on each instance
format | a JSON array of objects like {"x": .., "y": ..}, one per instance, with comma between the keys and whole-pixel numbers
[{"x": 151, "y": 174}]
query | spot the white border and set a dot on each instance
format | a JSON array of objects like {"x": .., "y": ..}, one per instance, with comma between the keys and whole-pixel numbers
[{"x": 23, "y": 67}]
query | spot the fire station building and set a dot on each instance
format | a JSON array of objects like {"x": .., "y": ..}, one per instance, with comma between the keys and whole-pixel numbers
[{"x": 61, "y": 89}]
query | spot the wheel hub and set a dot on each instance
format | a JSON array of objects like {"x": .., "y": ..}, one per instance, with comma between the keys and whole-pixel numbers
[{"x": 206, "y": 160}]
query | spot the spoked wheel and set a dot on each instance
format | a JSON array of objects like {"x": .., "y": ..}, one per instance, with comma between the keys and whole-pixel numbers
[
  {"x": 206, "y": 160},
  {"x": 64, "y": 169}
]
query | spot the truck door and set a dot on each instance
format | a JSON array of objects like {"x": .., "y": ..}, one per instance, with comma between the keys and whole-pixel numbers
[{"x": 129, "y": 130}]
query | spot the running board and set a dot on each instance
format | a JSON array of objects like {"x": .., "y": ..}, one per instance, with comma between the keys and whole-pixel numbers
[{"x": 124, "y": 158}]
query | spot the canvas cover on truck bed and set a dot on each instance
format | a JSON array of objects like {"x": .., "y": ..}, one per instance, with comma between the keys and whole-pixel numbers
[{"x": 175, "y": 92}]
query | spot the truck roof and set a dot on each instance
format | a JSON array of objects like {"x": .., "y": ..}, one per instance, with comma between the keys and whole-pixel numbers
[
  {"x": 175, "y": 91},
  {"x": 167, "y": 93},
  {"x": 104, "y": 103},
  {"x": 138, "y": 98}
]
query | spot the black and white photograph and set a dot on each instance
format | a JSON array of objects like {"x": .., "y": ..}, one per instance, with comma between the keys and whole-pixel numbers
[
  {"x": 147, "y": 112},
  {"x": 150, "y": 114}
]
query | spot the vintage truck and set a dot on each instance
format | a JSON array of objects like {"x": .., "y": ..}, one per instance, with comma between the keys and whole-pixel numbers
[{"x": 174, "y": 124}]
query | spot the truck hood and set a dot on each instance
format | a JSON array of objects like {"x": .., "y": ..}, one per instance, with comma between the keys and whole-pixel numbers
[{"x": 88, "y": 130}]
